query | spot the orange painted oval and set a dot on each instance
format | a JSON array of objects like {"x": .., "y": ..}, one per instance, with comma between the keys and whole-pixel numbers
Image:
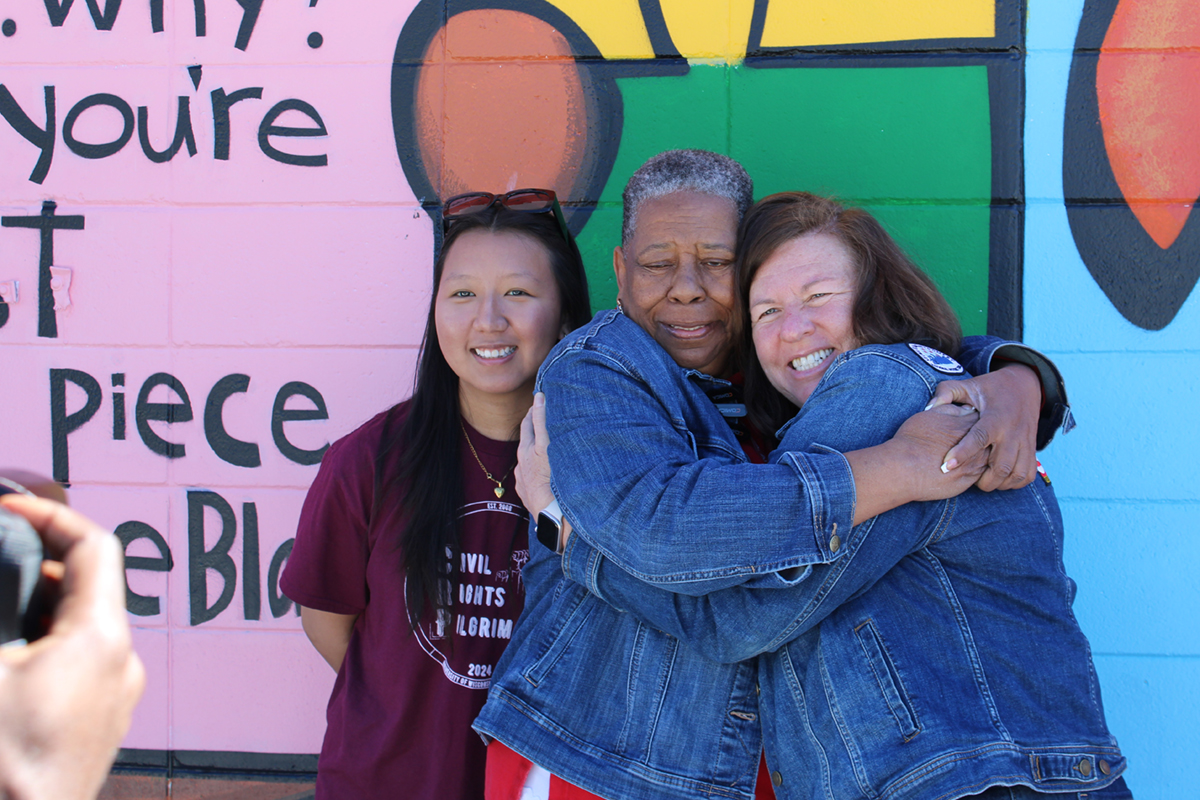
[
  {"x": 500, "y": 104},
  {"x": 1146, "y": 80}
]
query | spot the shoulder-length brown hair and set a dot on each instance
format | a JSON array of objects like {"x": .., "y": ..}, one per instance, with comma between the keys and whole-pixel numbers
[{"x": 894, "y": 302}]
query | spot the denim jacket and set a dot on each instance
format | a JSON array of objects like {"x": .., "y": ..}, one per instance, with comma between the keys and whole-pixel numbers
[
  {"x": 937, "y": 657},
  {"x": 658, "y": 485}
]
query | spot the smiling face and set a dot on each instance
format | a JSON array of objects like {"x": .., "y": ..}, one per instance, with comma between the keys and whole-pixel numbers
[
  {"x": 675, "y": 277},
  {"x": 497, "y": 314},
  {"x": 801, "y": 304}
]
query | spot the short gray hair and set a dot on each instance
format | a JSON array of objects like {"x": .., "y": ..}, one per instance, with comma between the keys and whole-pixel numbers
[{"x": 686, "y": 171}]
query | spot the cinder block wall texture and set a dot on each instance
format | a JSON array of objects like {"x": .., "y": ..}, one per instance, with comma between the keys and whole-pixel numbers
[{"x": 217, "y": 241}]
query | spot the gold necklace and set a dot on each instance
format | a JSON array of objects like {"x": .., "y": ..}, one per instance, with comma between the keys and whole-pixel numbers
[{"x": 499, "y": 490}]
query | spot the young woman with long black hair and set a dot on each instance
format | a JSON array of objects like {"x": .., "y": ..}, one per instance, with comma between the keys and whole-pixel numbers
[{"x": 408, "y": 556}]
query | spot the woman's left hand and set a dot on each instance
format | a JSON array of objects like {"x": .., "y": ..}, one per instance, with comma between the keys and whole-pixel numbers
[
  {"x": 533, "y": 461},
  {"x": 1009, "y": 401}
]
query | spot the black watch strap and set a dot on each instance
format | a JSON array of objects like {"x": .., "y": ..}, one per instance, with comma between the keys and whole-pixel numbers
[{"x": 549, "y": 527}]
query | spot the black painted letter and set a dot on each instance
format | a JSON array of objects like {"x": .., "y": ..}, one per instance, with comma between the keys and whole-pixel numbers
[
  {"x": 251, "y": 581},
  {"x": 201, "y": 560},
  {"x": 227, "y": 448},
  {"x": 268, "y": 128},
  {"x": 86, "y": 150},
  {"x": 46, "y": 223},
  {"x": 250, "y": 9},
  {"x": 129, "y": 532},
  {"x": 57, "y": 10},
  {"x": 280, "y": 415},
  {"x": 220, "y": 108},
  {"x": 145, "y": 411},
  {"x": 62, "y": 424},
  {"x": 156, "y": 16},
  {"x": 118, "y": 405},
  {"x": 279, "y": 602},
  {"x": 183, "y": 133},
  {"x": 41, "y": 138}
]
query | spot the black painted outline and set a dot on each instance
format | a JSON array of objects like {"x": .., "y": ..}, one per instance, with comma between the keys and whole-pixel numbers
[
  {"x": 1004, "y": 57},
  {"x": 603, "y": 97},
  {"x": 1010, "y": 35},
  {"x": 1146, "y": 284},
  {"x": 665, "y": 51},
  {"x": 598, "y": 75},
  {"x": 286, "y": 767},
  {"x": 1006, "y": 239}
]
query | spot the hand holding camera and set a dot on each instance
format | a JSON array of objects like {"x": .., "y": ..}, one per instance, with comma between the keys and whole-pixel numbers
[
  {"x": 21, "y": 554},
  {"x": 68, "y": 695}
]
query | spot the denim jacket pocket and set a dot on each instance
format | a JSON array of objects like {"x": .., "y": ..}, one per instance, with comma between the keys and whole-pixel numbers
[
  {"x": 888, "y": 678},
  {"x": 559, "y": 638}
]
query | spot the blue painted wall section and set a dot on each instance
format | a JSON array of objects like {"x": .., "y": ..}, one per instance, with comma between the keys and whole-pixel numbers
[{"x": 1127, "y": 477}]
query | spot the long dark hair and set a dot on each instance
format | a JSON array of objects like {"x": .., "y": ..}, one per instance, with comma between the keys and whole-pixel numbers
[
  {"x": 419, "y": 483},
  {"x": 894, "y": 300}
]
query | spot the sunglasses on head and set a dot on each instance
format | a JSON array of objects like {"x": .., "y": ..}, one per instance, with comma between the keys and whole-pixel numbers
[{"x": 532, "y": 201}]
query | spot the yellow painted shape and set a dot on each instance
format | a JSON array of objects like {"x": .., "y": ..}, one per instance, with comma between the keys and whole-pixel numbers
[
  {"x": 810, "y": 23},
  {"x": 709, "y": 29},
  {"x": 615, "y": 26}
]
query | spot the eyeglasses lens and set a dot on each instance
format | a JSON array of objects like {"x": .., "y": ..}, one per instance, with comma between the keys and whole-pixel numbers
[
  {"x": 467, "y": 204},
  {"x": 527, "y": 200}
]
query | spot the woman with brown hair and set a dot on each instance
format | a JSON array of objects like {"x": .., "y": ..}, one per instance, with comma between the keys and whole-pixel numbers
[{"x": 892, "y": 300}]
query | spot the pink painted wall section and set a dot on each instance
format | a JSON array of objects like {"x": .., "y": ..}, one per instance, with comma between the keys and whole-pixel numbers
[{"x": 214, "y": 298}]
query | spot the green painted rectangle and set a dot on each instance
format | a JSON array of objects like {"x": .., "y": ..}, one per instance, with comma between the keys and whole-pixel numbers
[{"x": 912, "y": 144}]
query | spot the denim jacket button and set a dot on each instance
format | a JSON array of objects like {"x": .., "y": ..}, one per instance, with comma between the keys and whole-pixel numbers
[
  {"x": 1104, "y": 767},
  {"x": 835, "y": 542},
  {"x": 777, "y": 778},
  {"x": 1085, "y": 767}
]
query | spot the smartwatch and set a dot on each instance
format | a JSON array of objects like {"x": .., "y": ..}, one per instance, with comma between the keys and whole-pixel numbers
[{"x": 549, "y": 526}]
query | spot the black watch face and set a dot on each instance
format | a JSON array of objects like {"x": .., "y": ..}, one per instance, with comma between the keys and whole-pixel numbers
[{"x": 547, "y": 532}]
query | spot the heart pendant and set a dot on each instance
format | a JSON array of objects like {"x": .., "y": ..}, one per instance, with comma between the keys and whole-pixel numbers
[{"x": 499, "y": 490}]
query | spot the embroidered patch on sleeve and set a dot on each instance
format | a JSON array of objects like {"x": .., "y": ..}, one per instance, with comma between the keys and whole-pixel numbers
[{"x": 937, "y": 359}]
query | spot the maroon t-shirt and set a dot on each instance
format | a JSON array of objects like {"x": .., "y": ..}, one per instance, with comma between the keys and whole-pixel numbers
[{"x": 399, "y": 718}]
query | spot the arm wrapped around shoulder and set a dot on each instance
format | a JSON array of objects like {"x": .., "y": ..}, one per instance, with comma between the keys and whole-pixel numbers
[{"x": 666, "y": 497}]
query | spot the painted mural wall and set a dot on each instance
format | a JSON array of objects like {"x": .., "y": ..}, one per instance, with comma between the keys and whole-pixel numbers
[
  {"x": 217, "y": 237},
  {"x": 1109, "y": 275}
]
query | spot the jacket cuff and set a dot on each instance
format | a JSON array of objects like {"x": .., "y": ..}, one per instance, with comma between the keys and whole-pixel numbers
[
  {"x": 826, "y": 476},
  {"x": 581, "y": 563}
]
